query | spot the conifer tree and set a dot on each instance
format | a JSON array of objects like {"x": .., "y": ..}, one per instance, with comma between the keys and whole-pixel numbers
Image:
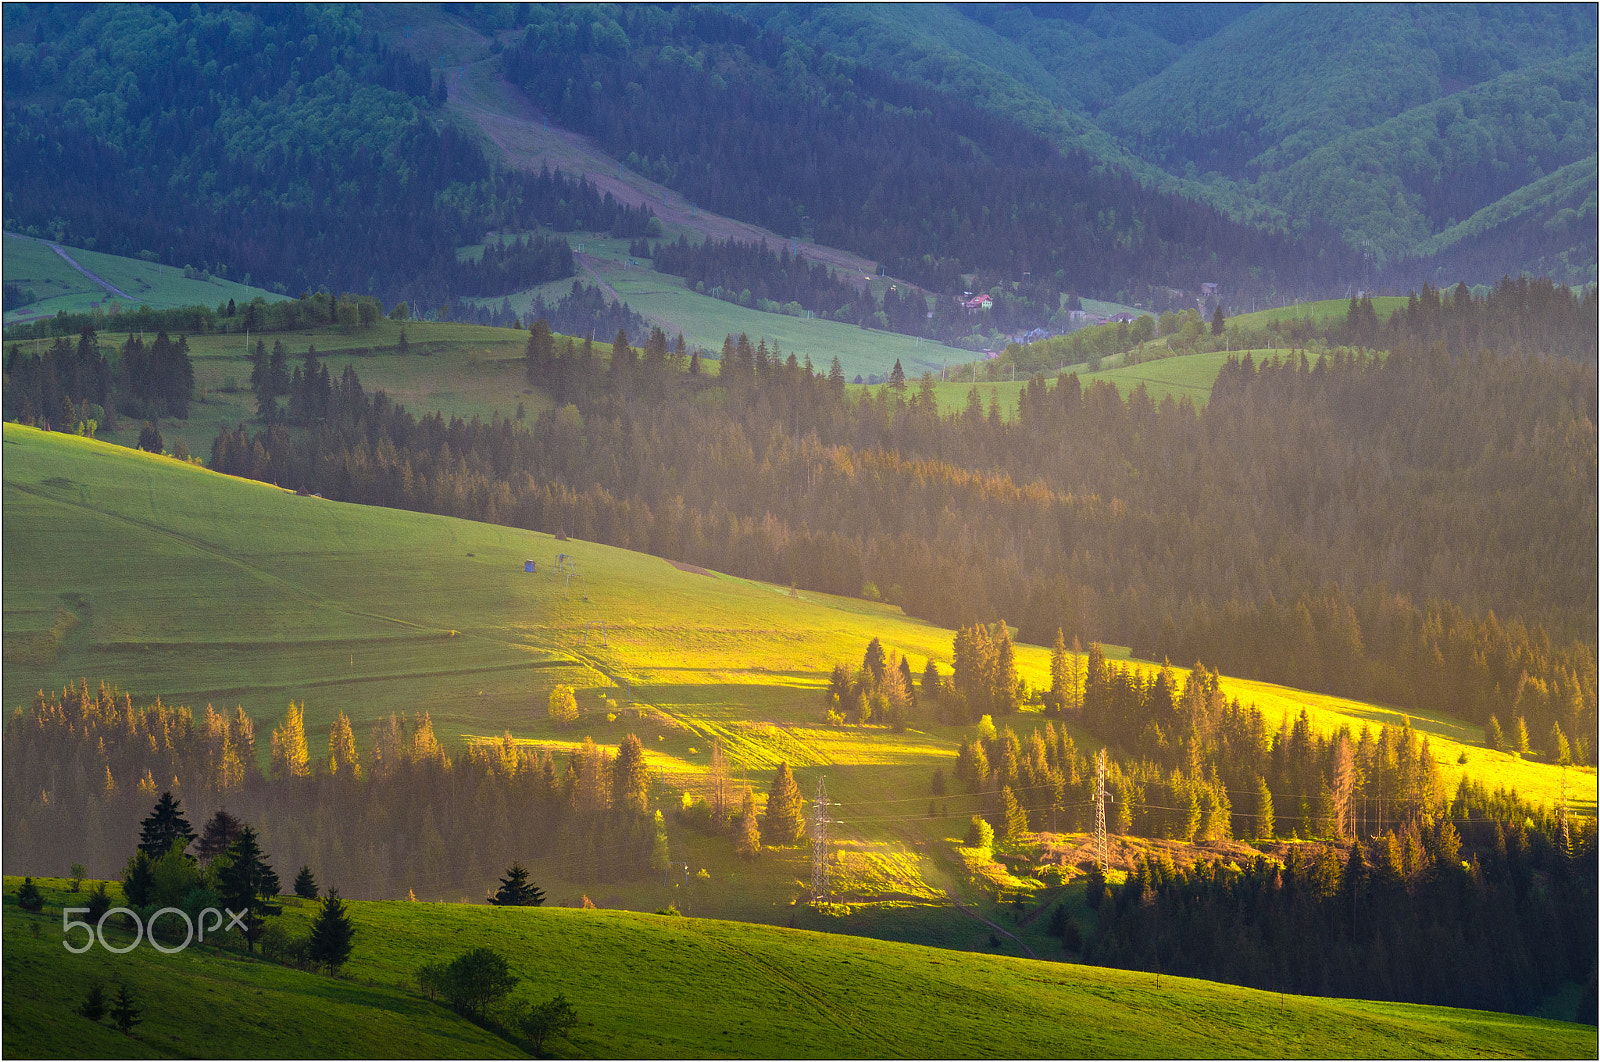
[
  {"x": 747, "y": 838},
  {"x": 874, "y": 660},
  {"x": 897, "y": 377},
  {"x": 342, "y": 749},
  {"x": 1005, "y": 673},
  {"x": 930, "y": 679},
  {"x": 248, "y": 883},
  {"x": 289, "y": 756},
  {"x": 305, "y": 884},
  {"x": 220, "y": 831},
  {"x": 29, "y": 898},
  {"x": 630, "y": 777},
  {"x": 1556, "y": 749},
  {"x": 164, "y": 825},
  {"x": 1493, "y": 736},
  {"x": 784, "y": 823},
  {"x": 1016, "y": 818},
  {"x": 1059, "y": 678},
  {"x": 516, "y": 890},
  {"x": 1264, "y": 816},
  {"x": 94, "y": 1005},
  {"x": 332, "y": 934},
  {"x": 1522, "y": 736},
  {"x": 126, "y": 1012}
]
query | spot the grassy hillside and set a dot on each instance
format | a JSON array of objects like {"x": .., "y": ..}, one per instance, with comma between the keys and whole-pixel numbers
[
  {"x": 32, "y": 264},
  {"x": 174, "y": 581},
  {"x": 652, "y": 986}
]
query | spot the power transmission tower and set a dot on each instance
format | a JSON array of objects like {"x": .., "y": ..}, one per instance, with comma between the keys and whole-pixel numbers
[
  {"x": 819, "y": 844},
  {"x": 1100, "y": 810}
]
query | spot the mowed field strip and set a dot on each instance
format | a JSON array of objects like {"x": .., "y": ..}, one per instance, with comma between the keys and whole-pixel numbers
[{"x": 171, "y": 580}]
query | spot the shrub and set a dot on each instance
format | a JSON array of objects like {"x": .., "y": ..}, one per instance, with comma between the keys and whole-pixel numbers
[
  {"x": 29, "y": 898},
  {"x": 475, "y": 980},
  {"x": 563, "y": 705},
  {"x": 553, "y": 1017}
]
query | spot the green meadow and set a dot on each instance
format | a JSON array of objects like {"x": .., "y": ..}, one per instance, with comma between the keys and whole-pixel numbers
[
  {"x": 171, "y": 580},
  {"x": 647, "y": 985},
  {"x": 32, "y": 264},
  {"x": 1322, "y": 311}
]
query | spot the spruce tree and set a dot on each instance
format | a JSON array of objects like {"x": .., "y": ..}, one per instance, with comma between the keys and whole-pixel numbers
[
  {"x": 897, "y": 377},
  {"x": 342, "y": 755},
  {"x": 747, "y": 836},
  {"x": 220, "y": 830},
  {"x": 289, "y": 756},
  {"x": 1016, "y": 818},
  {"x": 630, "y": 777},
  {"x": 1522, "y": 736},
  {"x": 1264, "y": 814},
  {"x": 164, "y": 825},
  {"x": 1493, "y": 736},
  {"x": 331, "y": 934},
  {"x": 94, "y": 1005},
  {"x": 930, "y": 679},
  {"x": 125, "y": 1012},
  {"x": 1557, "y": 749},
  {"x": 1059, "y": 678},
  {"x": 305, "y": 884},
  {"x": 875, "y": 659},
  {"x": 784, "y": 823},
  {"x": 29, "y": 898},
  {"x": 516, "y": 890},
  {"x": 247, "y": 883}
]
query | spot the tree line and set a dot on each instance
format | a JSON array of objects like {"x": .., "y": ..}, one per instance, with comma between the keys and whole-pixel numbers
[
  {"x": 392, "y": 814},
  {"x": 1310, "y": 526},
  {"x": 75, "y": 387}
]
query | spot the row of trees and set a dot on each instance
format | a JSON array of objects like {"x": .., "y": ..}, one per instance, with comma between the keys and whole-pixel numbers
[
  {"x": 1408, "y": 915},
  {"x": 395, "y": 815},
  {"x": 57, "y": 385}
]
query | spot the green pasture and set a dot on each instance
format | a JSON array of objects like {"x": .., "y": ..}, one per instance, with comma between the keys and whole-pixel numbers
[
  {"x": 648, "y": 985},
  {"x": 1322, "y": 311},
  {"x": 171, "y": 580},
  {"x": 32, "y": 264}
]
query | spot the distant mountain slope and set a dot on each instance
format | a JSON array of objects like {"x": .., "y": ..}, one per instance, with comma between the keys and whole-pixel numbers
[{"x": 1390, "y": 123}]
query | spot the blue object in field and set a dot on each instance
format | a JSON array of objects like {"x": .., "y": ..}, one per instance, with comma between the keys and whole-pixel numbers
[{"x": 530, "y": 566}]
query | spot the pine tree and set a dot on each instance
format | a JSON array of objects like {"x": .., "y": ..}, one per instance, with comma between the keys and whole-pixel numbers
[
  {"x": 897, "y": 377},
  {"x": 1005, "y": 674},
  {"x": 332, "y": 934},
  {"x": 289, "y": 756},
  {"x": 1264, "y": 815},
  {"x": 874, "y": 660},
  {"x": 165, "y": 825},
  {"x": 1016, "y": 819},
  {"x": 1522, "y": 736},
  {"x": 783, "y": 823},
  {"x": 1557, "y": 749},
  {"x": 29, "y": 898},
  {"x": 1217, "y": 321},
  {"x": 1493, "y": 736},
  {"x": 247, "y": 883},
  {"x": 220, "y": 831},
  {"x": 747, "y": 838},
  {"x": 94, "y": 1005},
  {"x": 149, "y": 438},
  {"x": 937, "y": 785},
  {"x": 516, "y": 890},
  {"x": 125, "y": 1012},
  {"x": 305, "y": 884},
  {"x": 1059, "y": 678},
  {"x": 342, "y": 749},
  {"x": 630, "y": 778}
]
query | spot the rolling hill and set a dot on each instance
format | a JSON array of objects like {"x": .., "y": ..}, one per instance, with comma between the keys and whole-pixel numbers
[{"x": 647, "y": 985}]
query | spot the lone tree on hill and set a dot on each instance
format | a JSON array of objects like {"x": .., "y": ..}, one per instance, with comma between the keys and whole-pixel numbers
[
  {"x": 305, "y": 884},
  {"x": 516, "y": 890},
  {"x": 784, "y": 824},
  {"x": 164, "y": 825},
  {"x": 332, "y": 934},
  {"x": 29, "y": 898}
]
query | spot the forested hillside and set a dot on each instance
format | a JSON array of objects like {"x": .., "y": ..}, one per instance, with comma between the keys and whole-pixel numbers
[
  {"x": 1415, "y": 528},
  {"x": 286, "y": 144},
  {"x": 768, "y": 130},
  {"x": 1391, "y": 123}
]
